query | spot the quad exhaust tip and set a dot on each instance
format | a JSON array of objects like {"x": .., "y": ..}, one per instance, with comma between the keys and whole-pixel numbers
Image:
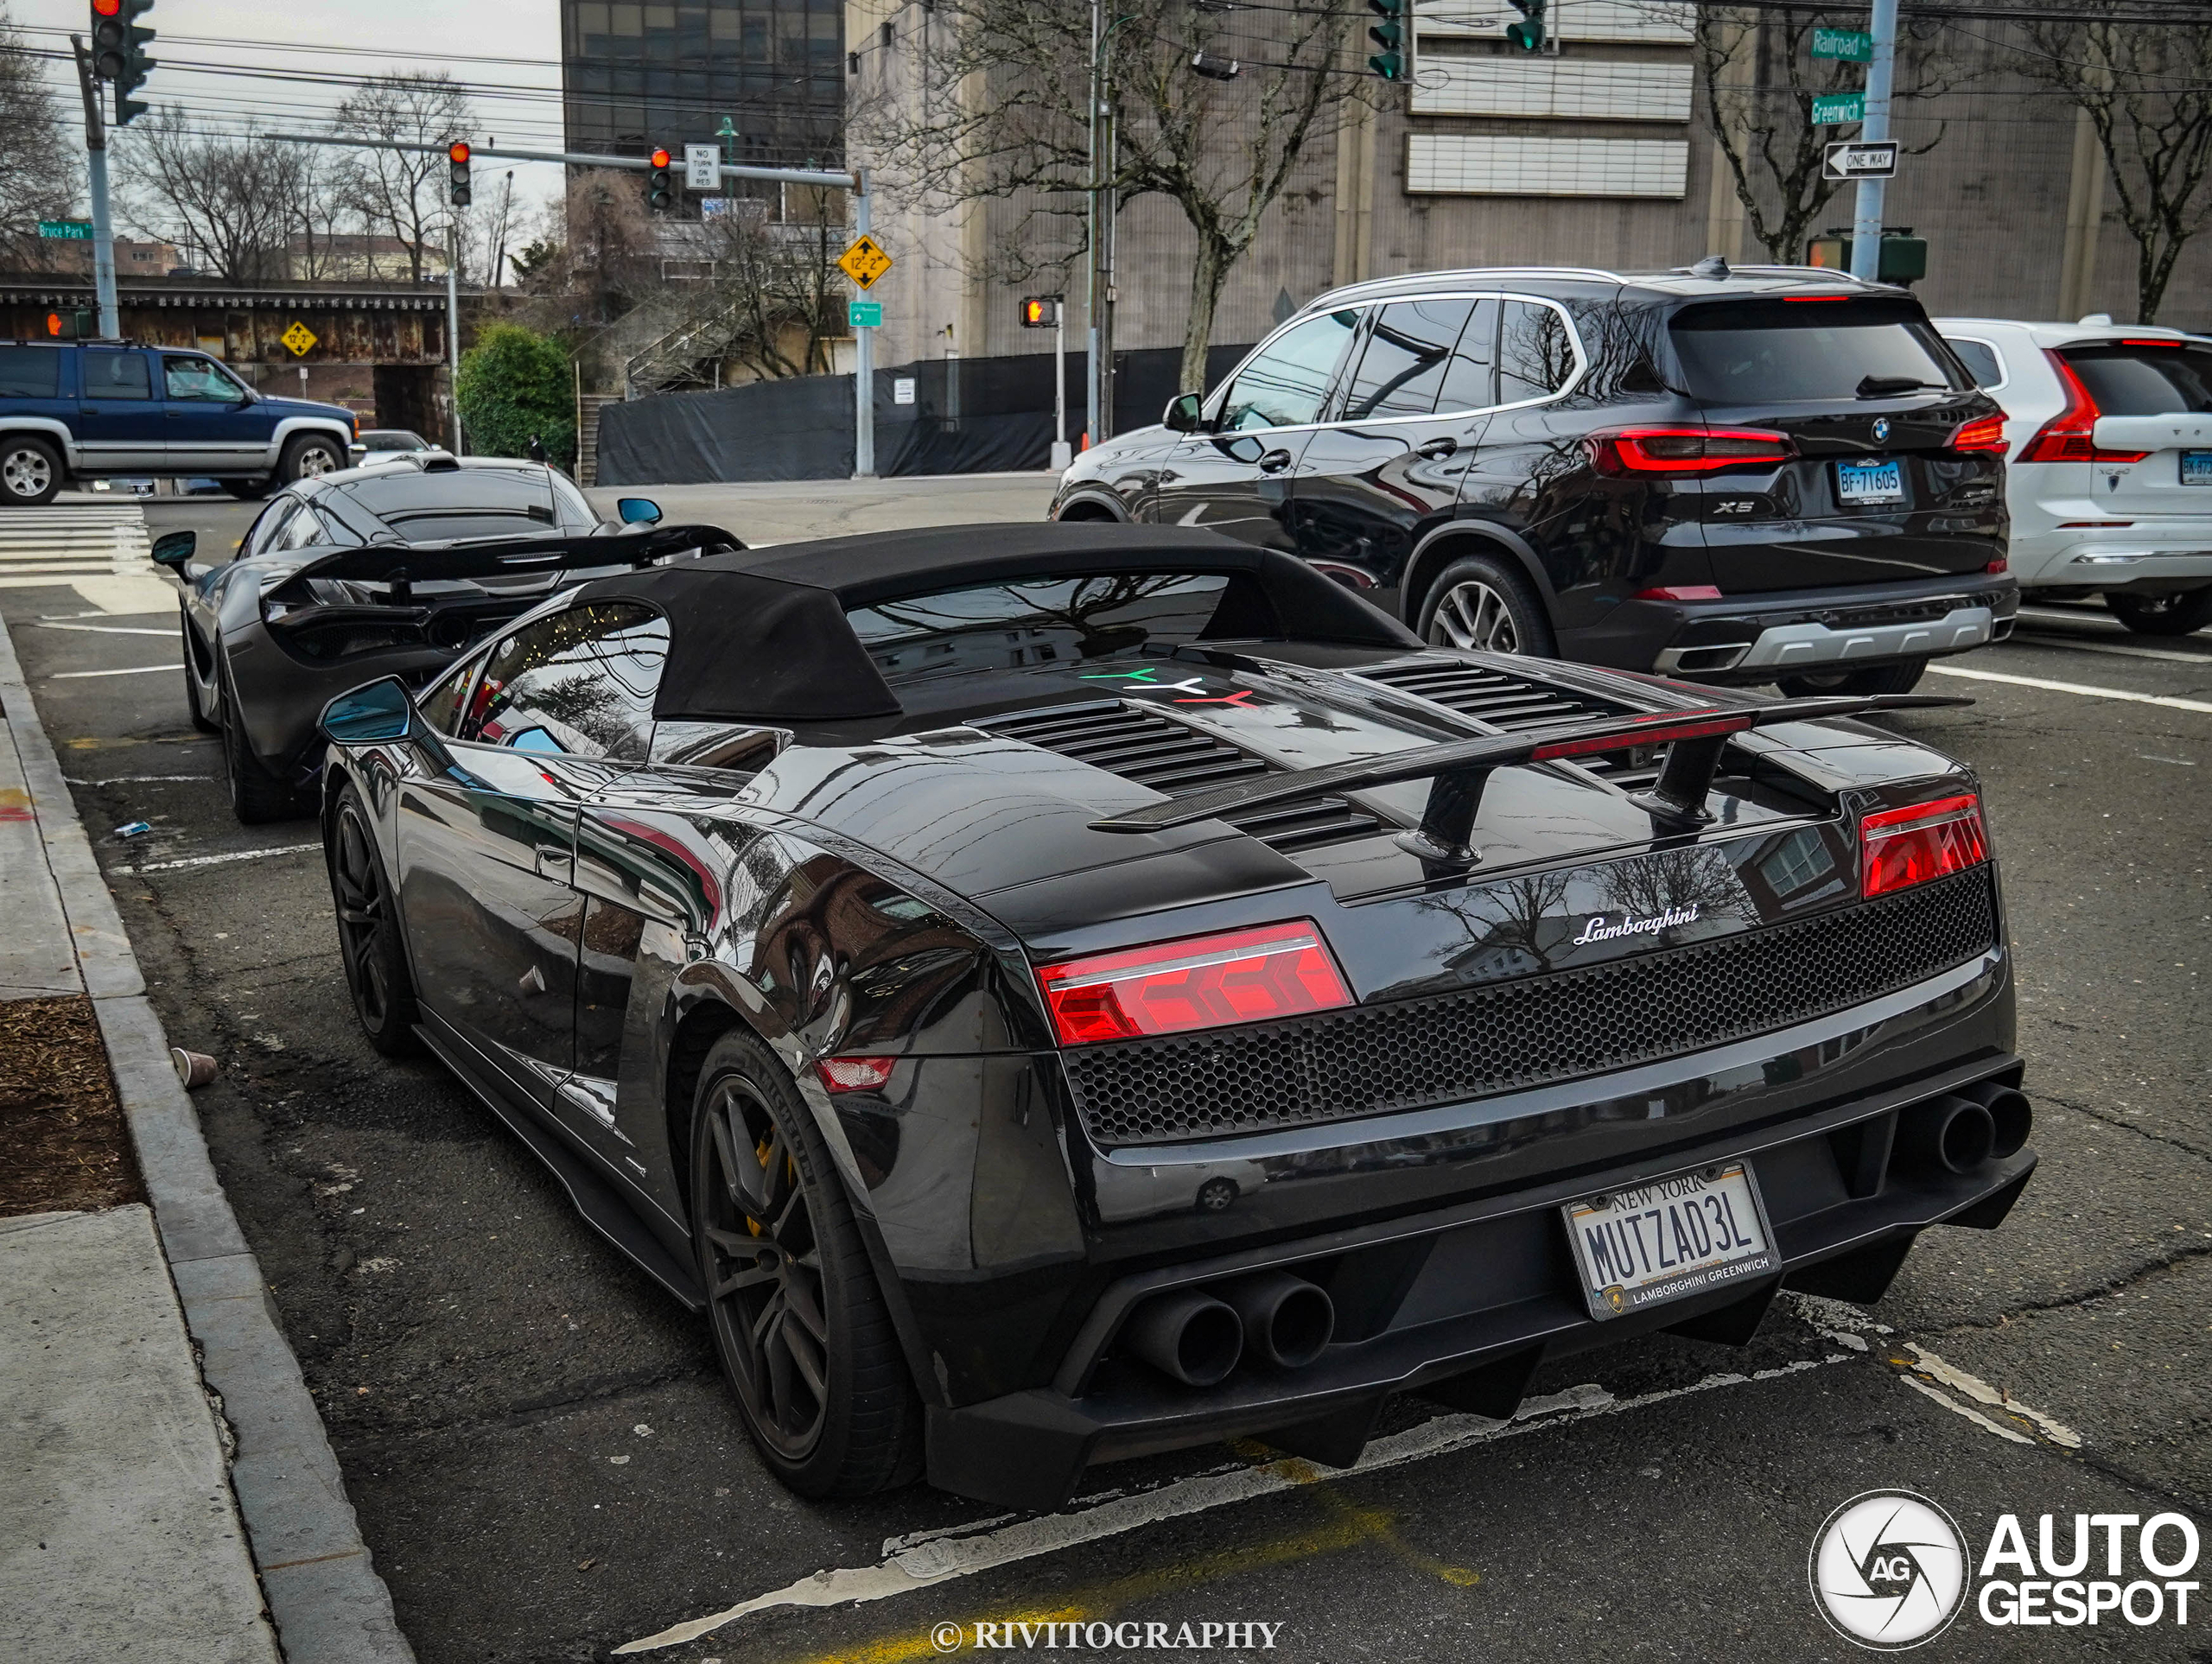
[
  {"x": 1287, "y": 1321},
  {"x": 1951, "y": 1135},
  {"x": 1198, "y": 1336},
  {"x": 2011, "y": 1119}
]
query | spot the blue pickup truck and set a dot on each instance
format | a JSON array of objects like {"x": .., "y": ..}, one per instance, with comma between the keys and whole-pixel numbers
[{"x": 85, "y": 410}]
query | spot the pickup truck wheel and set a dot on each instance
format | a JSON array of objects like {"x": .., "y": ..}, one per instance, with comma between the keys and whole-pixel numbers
[
  {"x": 309, "y": 457},
  {"x": 2181, "y": 614},
  {"x": 1898, "y": 678},
  {"x": 201, "y": 720},
  {"x": 30, "y": 471}
]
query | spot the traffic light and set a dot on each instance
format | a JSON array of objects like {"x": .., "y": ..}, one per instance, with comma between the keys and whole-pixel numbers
[
  {"x": 660, "y": 185},
  {"x": 74, "y": 326},
  {"x": 1528, "y": 33},
  {"x": 457, "y": 154},
  {"x": 1041, "y": 311},
  {"x": 1390, "y": 35},
  {"x": 119, "y": 52}
]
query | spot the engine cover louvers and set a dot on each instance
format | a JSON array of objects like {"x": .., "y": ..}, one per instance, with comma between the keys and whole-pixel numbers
[{"x": 1509, "y": 703}]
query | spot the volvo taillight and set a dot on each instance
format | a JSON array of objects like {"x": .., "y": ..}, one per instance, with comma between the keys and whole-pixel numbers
[
  {"x": 2071, "y": 436},
  {"x": 1688, "y": 451},
  {"x": 1900, "y": 847},
  {"x": 1203, "y": 981}
]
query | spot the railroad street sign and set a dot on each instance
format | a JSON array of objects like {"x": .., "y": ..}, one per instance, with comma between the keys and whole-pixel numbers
[
  {"x": 299, "y": 338},
  {"x": 864, "y": 262},
  {"x": 1858, "y": 158},
  {"x": 702, "y": 167},
  {"x": 78, "y": 230},
  {"x": 1833, "y": 109},
  {"x": 1851, "y": 45},
  {"x": 864, "y": 314}
]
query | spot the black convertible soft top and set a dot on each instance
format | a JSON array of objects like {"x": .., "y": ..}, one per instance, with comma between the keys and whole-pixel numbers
[{"x": 761, "y": 637}]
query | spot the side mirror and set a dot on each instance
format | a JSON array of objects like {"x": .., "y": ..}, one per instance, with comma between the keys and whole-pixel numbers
[
  {"x": 173, "y": 549},
  {"x": 380, "y": 713},
  {"x": 1183, "y": 413},
  {"x": 638, "y": 510}
]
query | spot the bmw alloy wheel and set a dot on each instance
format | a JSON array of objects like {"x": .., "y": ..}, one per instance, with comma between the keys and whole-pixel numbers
[{"x": 1473, "y": 616}]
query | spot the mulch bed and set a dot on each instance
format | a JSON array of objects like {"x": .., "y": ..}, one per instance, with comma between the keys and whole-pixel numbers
[{"x": 63, "y": 1141}]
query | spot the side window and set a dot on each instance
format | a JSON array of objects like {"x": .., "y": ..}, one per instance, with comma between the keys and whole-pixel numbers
[
  {"x": 30, "y": 372},
  {"x": 302, "y": 530},
  {"x": 270, "y": 525},
  {"x": 1402, "y": 367},
  {"x": 581, "y": 681},
  {"x": 441, "y": 703},
  {"x": 1283, "y": 387},
  {"x": 1471, "y": 379},
  {"x": 197, "y": 379},
  {"x": 575, "y": 510},
  {"x": 1980, "y": 360},
  {"x": 115, "y": 375},
  {"x": 1536, "y": 354}
]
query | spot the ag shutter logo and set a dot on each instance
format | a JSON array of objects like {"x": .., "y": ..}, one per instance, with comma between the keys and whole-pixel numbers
[{"x": 1888, "y": 1570}]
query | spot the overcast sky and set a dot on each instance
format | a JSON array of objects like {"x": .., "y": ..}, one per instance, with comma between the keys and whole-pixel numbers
[{"x": 517, "y": 103}]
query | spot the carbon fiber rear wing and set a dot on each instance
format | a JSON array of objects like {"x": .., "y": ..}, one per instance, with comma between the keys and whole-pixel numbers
[
  {"x": 512, "y": 557},
  {"x": 1461, "y": 768}
]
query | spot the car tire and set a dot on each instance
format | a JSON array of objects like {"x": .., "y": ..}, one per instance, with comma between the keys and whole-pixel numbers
[
  {"x": 247, "y": 491},
  {"x": 369, "y": 929},
  {"x": 1480, "y": 604},
  {"x": 1900, "y": 677},
  {"x": 310, "y": 456},
  {"x": 2183, "y": 613},
  {"x": 30, "y": 471},
  {"x": 258, "y": 797},
  {"x": 804, "y": 1337},
  {"x": 201, "y": 720}
]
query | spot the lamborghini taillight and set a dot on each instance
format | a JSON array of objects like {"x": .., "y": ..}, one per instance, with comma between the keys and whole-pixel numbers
[
  {"x": 1900, "y": 847},
  {"x": 1204, "y": 981}
]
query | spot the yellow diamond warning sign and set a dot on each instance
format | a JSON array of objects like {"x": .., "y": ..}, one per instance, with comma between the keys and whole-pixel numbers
[
  {"x": 299, "y": 338},
  {"x": 865, "y": 261}
]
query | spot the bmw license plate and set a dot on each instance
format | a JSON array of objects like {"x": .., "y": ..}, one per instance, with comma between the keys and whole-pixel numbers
[
  {"x": 2196, "y": 467},
  {"x": 1869, "y": 482},
  {"x": 1670, "y": 1238}
]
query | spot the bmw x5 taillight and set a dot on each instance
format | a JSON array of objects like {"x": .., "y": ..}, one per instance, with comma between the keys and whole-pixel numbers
[
  {"x": 1201, "y": 981},
  {"x": 1900, "y": 847},
  {"x": 1688, "y": 451}
]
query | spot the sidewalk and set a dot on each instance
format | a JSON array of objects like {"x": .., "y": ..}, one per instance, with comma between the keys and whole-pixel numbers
[{"x": 154, "y": 1504}]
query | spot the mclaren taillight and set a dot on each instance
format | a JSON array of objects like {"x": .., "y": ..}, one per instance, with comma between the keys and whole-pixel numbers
[
  {"x": 2071, "y": 436},
  {"x": 1900, "y": 847},
  {"x": 1982, "y": 434},
  {"x": 1204, "y": 981},
  {"x": 1662, "y": 451},
  {"x": 854, "y": 1073}
]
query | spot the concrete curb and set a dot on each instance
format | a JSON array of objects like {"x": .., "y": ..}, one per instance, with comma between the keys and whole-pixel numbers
[{"x": 329, "y": 1605}]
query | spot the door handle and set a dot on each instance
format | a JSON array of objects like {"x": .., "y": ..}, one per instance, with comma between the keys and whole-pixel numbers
[
  {"x": 1442, "y": 446},
  {"x": 552, "y": 859},
  {"x": 1166, "y": 476},
  {"x": 1275, "y": 461}
]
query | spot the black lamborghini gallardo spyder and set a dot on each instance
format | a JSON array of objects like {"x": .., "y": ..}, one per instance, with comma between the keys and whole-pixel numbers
[{"x": 1051, "y": 993}]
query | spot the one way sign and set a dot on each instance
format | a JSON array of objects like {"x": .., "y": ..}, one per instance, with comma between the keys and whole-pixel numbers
[{"x": 1857, "y": 159}]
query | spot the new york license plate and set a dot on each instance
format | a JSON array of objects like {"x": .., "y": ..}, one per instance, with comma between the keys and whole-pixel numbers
[
  {"x": 1669, "y": 1239},
  {"x": 1869, "y": 482},
  {"x": 2196, "y": 467}
]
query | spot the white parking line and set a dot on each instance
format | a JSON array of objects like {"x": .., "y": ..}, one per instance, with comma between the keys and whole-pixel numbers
[
  {"x": 2065, "y": 644},
  {"x": 108, "y": 629},
  {"x": 134, "y": 670},
  {"x": 947, "y": 1556},
  {"x": 2169, "y": 700},
  {"x": 217, "y": 861}
]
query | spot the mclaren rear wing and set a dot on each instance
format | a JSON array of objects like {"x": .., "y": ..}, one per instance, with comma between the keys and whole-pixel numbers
[
  {"x": 400, "y": 564},
  {"x": 1461, "y": 768}
]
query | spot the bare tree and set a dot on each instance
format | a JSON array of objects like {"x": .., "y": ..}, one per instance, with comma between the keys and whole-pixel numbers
[
  {"x": 1756, "y": 69},
  {"x": 777, "y": 287},
  {"x": 39, "y": 166},
  {"x": 2146, "y": 88},
  {"x": 606, "y": 244},
  {"x": 320, "y": 219},
  {"x": 402, "y": 193},
  {"x": 232, "y": 201},
  {"x": 996, "y": 108}
]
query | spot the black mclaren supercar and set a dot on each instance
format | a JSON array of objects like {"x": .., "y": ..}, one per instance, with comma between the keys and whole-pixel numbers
[{"x": 1058, "y": 994}]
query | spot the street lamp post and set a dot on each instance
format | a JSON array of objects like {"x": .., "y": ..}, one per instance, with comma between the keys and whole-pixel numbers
[{"x": 1098, "y": 414}]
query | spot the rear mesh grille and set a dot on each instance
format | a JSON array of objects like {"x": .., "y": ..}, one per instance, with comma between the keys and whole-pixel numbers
[
  {"x": 1146, "y": 747},
  {"x": 1479, "y": 1042},
  {"x": 1510, "y": 704}
]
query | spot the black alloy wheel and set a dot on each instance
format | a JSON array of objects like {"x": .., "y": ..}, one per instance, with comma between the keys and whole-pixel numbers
[
  {"x": 2181, "y": 613},
  {"x": 1900, "y": 677},
  {"x": 30, "y": 471},
  {"x": 800, "y": 1324},
  {"x": 256, "y": 795},
  {"x": 368, "y": 931},
  {"x": 201, "y": 720},
  {"x": 1478, "y": 604}
]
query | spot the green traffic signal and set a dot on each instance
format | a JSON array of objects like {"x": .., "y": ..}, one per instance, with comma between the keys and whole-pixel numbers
[
  {"x": 1390, "y": 35},
  {"x": 1529, "y": 34}
]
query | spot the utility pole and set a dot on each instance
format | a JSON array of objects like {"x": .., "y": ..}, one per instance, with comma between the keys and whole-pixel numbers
[
  {"x": 452, "y": 329},
  {"x": 1060, "y": 457},
  {"x": 103, "y": 226},
  {"x": 863, "y": 355},
  {"x": 1094, "y": 300},
  {"x": 1874, "y": 126}
]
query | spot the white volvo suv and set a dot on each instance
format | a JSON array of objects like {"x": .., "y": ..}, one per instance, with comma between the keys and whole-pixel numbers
[{"x": 2108, "y": 439}]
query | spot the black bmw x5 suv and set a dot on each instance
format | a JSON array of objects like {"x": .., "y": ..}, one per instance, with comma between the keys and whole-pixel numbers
[{"x": 1768, "y": 474}]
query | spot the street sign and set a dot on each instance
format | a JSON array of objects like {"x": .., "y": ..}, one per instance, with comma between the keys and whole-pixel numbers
[
  {"x": 902, "y": 390},
  {"x": 702, "y": 167},
  {"x": 864, "y": 262},
  {"x": 1835, "y": 109},
  {"x": 78, "y": 230},
  {"x": 1850, "y": 46},
  {"x": 299, "y": 338},
  {"x": 864, "y": 314},
  {"x": 1859, "y": 159}
]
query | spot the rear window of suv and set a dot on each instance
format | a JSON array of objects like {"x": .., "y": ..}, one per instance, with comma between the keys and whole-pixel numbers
[
  {"x": 2142, "y": 379},
  {"x": 1779, "y": 352},
  {"x": 30, "y": 372}
]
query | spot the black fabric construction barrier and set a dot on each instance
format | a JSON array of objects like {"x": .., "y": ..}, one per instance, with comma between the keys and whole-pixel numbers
[{"x": 968, "y": 416}]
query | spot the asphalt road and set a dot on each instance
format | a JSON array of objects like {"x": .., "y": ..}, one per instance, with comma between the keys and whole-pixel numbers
[{"x": 547, "y": 1468}]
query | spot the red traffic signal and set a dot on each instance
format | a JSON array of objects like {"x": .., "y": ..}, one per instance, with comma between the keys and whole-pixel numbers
[
  {"x": 458, "y": 152},
  {"x": 106, "y": 8},
  {"x": 661, "y": 158},
  {"x": 54, "y": 325},
  {"x": 1041, "y": 311}
]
